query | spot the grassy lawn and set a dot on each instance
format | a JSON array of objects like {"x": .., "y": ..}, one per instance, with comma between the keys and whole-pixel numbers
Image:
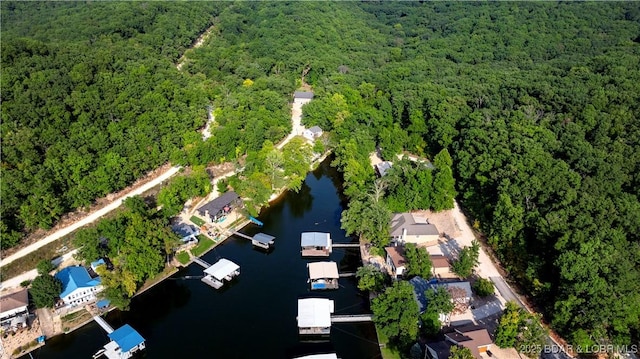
[
  {"x": 387, "y": 352},
  {"x": 74, "y": 319},
  {"x": 197, "y": 221},
  {"x": 183, "y": 258},
  {"x": 203, "y": 245}
]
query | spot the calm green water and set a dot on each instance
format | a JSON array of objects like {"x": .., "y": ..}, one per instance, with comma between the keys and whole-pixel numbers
[{"x": 256, "y": 316}]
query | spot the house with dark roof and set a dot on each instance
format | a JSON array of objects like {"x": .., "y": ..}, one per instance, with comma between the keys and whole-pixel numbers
[
  {"x": 217, "y": 209},
  {"x": 13, "y": 310},
  {"x": 413, "y": 228},
  {"x": 78, "y": 287},
  {"x": 439, "y": 350},
  {"x": 302, "y": 97},
  {"x": 383, "y": 167},
  {"x": 396, "y": 261},
  {"x": 186, "y": 232},
  {"x": 474, "y": 337}
]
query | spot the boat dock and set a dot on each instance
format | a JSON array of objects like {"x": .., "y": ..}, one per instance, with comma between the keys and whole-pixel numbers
[
  {"x": 101, "y": 322},
  {"x": 353, "y": 318},
  {"x": 261, "y": 240},
  {"x": 216, "y": 274}
]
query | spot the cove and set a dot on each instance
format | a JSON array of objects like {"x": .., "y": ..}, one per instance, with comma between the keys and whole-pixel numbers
[{"x": 255, "y": 317}]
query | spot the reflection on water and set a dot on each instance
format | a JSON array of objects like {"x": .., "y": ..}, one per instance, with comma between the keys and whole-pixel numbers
[{"x": 255, "y": 317}]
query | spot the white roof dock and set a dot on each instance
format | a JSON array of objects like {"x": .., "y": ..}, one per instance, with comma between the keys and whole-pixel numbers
[
  {"x": 315, "y": 239},
  {"x": 319, "y": 270},
  {"x": 314, "y": 312},
  {"x": 221, "y": 269},
  {"x": 319, "y": 356}
]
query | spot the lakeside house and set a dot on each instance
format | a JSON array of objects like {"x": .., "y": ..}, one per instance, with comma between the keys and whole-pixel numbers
[
  {"x": 302, "y": 97},
  {"x": 460, "y": 292},
  {"x": 78, "y": 287},
  {"x": 14, "y": 310},
  {"x": 396, "y": 261},
  {"x": 413, "y": 228},
  {"x": 474, "y": 337},
  {"x": 383, "y": 167},
  {"x": 187, "y": 233},
  {"x": 323, "y": 275},
  {"x": 315, "y": 244},
  {"x": 314, "y": 316},
  {"x": 312, "y": 133},
  {"x": 217, "y": 209}
]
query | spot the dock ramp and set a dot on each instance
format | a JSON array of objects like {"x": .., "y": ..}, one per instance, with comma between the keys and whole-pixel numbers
[
  {"x": 101, "y": 322},
  {"x": 354, "y": 318}
]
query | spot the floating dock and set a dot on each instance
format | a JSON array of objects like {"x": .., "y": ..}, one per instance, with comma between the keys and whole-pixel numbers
[
  {"x": 323, "y": 275},
  {"x": 315, "y": 244},
  {"x": 261, "y": 240},
  {"x": 314, "y": 316}
]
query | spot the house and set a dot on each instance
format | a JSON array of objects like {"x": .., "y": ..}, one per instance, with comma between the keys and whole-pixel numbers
[
  {"x": 396, "y": 261},
  {"x": 412, "y": 228},
  {"x": 218, "y": 209},
  {"x": 474, "y": 337},
  {"x": 420, "y": 286},
  {"x": 125, "y": 342},
  {"x": 13, "y": 310},
  {"x": 440, "y": 265},
  {"x": 439, "y": 350},
  {"x": 312, "y": 133},
  {"x": 460, "y": 291},
  {"x": 314, "y": 316},
  {"x": 315, "y": 244},
  {"x": 323, "y": 275},
  {"x": 77, "y": 286},
  {"x": 186, "y": 232},
  {"x": 383, "y": 167},
  {"x": 302, "y": 97}
]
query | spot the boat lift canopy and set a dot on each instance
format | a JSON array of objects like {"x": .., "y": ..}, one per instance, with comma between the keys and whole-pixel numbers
[{"x": 221, "y": 269}]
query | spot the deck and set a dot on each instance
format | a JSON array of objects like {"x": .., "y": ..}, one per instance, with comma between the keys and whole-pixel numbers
[
  {"x": 312, "y": 252},
  {"x": 315, "y": 331},
  {"x": 212, "y": 282}
]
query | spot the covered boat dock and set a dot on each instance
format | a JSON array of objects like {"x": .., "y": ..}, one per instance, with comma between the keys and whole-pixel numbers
[
  {"x": 222, "y": 270},
  {"x": 315, "y": 244},
  {"x": 314, "y": 316},
  {"x": 323, "y": 275}
]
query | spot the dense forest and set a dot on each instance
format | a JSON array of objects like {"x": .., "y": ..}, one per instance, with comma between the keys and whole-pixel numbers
[{"x": 531, "y": 107}]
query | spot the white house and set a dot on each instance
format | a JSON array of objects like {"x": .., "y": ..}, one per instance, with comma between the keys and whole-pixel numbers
[
  {"x": 312, "y": 133},
  {"x": 13, "y": 309},
  {"x": 78, "y": 287},
  {"x": 302, "y": 97},
  {"x": 396, "y": 261},
  {"x": 412, "y": 228}
]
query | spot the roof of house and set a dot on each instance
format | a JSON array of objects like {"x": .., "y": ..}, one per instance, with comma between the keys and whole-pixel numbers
[
  {"x": 126, "y": 337},
  {"x": 184, "y": 229},
  {"x": 314, "y": 312},
  {"x": 318, "y": 270},
  {"x": 14, "y": 300},
  {"x": 442, "y": 349},
  {"x": 414, "y": 224},
  {"x": 98, "y": 263},
  {"x": 470, "y": 336},
  {"x": 76, "y": 277},
  {"x": 466, "y": 286},
  {"x": 315, "y": 129},
  {"x": 420, "y": 285},
  {"x": 217, "y": 204},
  {"x": 315, "y": 239},
  {"x": 303, "y": 94},
  {"x": 383, "y": 167},
  {"x": 263, "y": 238},
  {"x": 397, "y": 255},
  {"x": 221, "y": 269},
  {"x": 439, "y": 261}
]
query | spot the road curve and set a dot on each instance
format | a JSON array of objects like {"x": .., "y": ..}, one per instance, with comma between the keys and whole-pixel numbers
[{"x": 90, "y": 218}]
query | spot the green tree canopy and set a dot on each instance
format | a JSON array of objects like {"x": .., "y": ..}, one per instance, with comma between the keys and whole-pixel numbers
[
  {"x": 44, "y": 290},
  {"x": 396, "y": 312}
]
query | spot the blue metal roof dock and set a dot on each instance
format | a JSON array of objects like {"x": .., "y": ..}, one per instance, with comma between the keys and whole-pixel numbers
[{"x": 125, "y": 342}]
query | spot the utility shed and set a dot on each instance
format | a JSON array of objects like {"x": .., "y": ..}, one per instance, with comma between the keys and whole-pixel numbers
[
  {"x": 323, "y": 275},
  {"x": 262, "y": 240},
  {"x": 314, "y": 315},
  {"x": 315, "y": 244}
]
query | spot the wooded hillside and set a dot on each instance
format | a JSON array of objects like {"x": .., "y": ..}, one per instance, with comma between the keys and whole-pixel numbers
[{"x": 536, "y": 103}]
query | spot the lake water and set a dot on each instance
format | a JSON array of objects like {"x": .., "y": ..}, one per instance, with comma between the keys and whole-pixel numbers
[{"x": 255, "y": 317}]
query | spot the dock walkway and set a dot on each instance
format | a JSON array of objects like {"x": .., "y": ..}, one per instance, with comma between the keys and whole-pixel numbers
[
  {"x": 236, "y": 233},
  {"x": 345, "y": 245},
  {"x": 354, "y": 318},
  {"x": 201, "y": 262},
  {"x": 101, "y": 322}
]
